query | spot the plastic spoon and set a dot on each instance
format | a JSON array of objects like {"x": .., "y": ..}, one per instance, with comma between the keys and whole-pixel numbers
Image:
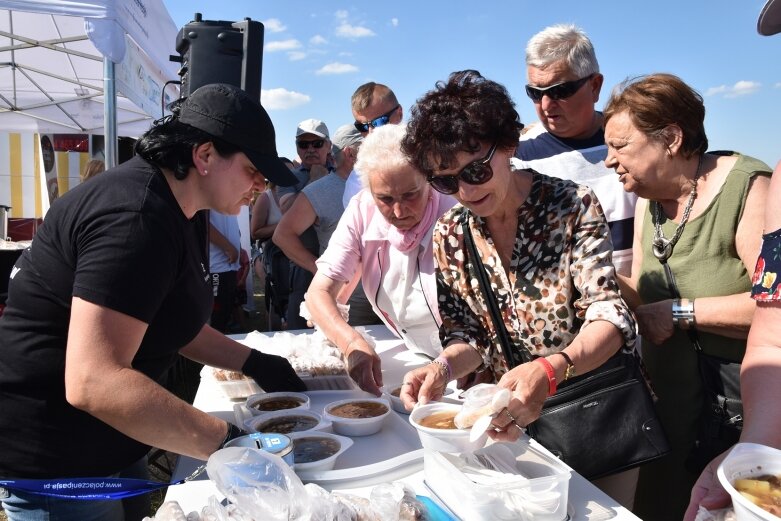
[{"x": 499, "y": 401}]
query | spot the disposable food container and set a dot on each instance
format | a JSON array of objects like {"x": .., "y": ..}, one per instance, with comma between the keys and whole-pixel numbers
[
  {"x": 443, "y": 440},
  {"x": 234, "y": 385},
  {"x": 379, "y": 408},
  {"x": 286, "y": 422},
  {"x": 303, "y": 444},
  {"x": 748, "y": 460},
  {"x": 261, "y": 403},
  {"x": 532, "y": 485},
  {"x": 391, "y": 393}
]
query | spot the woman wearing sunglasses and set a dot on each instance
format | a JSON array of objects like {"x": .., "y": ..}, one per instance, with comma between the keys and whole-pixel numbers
[
  {"x": 384, "y": 236},
  {"x": 544, "y": 243}
]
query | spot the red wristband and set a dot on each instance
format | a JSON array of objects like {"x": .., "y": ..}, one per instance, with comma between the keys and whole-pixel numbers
[{"x": 551, "y": 374}]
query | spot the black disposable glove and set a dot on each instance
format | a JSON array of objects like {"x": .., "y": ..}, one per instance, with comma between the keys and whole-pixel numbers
[
  {"x": 273, "y": 373},
  {"x": 233, "y": 433}
]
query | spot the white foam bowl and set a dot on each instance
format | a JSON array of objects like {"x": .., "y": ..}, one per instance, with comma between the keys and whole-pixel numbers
[
  {"x": 395, "y": 401},
  {"x": 255, "y": 399},
  {"x": 443, "y": 440},
  {"x": 356, "y": 426},
  {"x": 746, "y": 461},
  {"x": 325, "y": 463},
  {"x": 256, "y": 423}
]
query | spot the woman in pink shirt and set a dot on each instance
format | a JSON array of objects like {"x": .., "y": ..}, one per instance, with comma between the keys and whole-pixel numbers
[{"x": 385, "y": 236}]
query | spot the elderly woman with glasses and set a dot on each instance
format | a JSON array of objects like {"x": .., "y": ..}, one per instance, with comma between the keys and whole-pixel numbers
[
  {"x": 545, "y": 246},
  {"x": 383, "y": 237}
]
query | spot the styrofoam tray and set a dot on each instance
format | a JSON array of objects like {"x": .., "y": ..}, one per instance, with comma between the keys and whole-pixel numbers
[{"x": 392, "y": 453}]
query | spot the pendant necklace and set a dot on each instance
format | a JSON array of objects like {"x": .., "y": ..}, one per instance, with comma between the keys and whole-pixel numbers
[{"x": 662, "y": 247}]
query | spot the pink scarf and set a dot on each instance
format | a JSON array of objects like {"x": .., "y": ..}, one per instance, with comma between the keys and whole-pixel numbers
[{"x": 408, "y": 239}]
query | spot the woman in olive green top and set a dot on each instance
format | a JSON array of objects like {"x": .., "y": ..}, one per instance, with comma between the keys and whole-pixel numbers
[{"x": 701, "y": 214}]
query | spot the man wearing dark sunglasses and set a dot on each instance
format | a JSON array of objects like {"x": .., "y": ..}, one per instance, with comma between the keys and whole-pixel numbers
[
  {"x": 373, "y": 105},
  {"x": 569, "y": 143},
  {"x": 564, "y": 84},
  {"x": 313, "y": 144}
]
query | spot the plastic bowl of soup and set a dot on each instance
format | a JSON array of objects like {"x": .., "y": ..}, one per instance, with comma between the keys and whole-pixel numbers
[
  {"x": 286, "y": 422},
  {"x": 437, "y": 430},
  {"x": 315, "y": 451},
  {"x": 357, "y": 416},
  {"x": 751, "y": 474},
  {"x": 258, "y": 404},
  {"x": 392, "y": 392}
]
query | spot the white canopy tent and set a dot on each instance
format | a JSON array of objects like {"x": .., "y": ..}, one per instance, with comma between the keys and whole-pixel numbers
[{"x": 52, "y": 72}]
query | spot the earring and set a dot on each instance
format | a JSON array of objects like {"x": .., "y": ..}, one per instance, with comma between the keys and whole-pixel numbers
[{"x": 205, "y": 172}]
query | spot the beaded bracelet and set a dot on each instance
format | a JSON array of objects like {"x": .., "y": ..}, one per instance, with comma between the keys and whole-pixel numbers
[{"x": 443, "y": 363}]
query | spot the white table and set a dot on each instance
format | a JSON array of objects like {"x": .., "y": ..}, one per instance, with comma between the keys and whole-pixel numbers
[{"x": 586, "y": 501}]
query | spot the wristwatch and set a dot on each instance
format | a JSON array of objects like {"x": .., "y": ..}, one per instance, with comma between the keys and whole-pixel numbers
[{"x": 683, "y": 313}]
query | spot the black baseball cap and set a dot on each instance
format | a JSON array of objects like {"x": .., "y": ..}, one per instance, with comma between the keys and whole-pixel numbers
[{"x": 230, "y": 114}]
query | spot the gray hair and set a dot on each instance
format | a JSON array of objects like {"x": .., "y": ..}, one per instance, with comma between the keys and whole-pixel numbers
[
  {"x": 381, "y": 152},
  {"x": 563, "y": 42}
]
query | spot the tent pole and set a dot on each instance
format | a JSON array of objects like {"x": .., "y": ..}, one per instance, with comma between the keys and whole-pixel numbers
[{"x": 109, "y": 113}]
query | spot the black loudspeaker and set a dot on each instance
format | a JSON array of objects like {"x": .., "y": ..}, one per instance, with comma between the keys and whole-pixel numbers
[{"x": 216, "y": 51}]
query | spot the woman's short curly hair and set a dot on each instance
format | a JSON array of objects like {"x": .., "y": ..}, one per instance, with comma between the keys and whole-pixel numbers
[
  {"x": 656, "y": 101},
  {"x": 459, "y": 116}
]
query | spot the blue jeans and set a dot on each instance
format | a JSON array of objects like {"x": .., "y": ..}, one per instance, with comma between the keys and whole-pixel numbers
[{"x": 33, "y": 507}]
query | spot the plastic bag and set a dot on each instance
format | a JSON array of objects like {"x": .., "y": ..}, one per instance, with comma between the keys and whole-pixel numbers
[
  {"x": 172, "y": 511},
  {"x": 481, "y": 400}
]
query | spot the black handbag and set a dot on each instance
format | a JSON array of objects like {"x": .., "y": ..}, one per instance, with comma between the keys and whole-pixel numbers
[
  {"x": 721, "y": 417},
  {"x": 599, "y": 423}
]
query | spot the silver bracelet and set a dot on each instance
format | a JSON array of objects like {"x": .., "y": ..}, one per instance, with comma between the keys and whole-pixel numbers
[{"x": 683, "y": 314}]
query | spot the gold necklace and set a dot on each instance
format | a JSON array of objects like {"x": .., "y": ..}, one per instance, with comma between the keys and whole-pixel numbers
[{"x": 662, "y": 247}]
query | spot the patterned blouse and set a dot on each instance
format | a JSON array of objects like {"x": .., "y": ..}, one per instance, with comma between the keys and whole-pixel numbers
[
  {"x": 561, "y": 275},
  {"x": 766, "y": 285}
]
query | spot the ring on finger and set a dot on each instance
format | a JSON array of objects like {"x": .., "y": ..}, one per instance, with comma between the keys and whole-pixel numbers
[
  {"x": 407, "y": 383},
  {"x": 522, "y": 429},
  {"x": 509, "y": 415}
]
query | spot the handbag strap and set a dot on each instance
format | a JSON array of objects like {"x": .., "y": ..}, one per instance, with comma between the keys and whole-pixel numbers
[{"x": 510, "y": 355}]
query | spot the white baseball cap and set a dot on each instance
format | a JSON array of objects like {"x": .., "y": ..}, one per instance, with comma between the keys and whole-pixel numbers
[{"x": 312, "y": 126}]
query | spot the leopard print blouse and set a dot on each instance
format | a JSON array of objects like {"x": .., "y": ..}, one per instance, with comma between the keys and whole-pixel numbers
[{"x": 561, "y": 275}]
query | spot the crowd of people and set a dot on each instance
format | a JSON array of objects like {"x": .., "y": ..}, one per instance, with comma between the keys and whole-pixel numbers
[{"x": 594, "y": 233}]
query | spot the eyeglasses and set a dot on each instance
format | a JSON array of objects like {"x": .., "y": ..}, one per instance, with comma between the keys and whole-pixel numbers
[
  {"x": 557, "y": 92},
  {"x": 376, "y": 122},
  {"x": 475, "y": 173},
  {"x": 303, "y": 145}
]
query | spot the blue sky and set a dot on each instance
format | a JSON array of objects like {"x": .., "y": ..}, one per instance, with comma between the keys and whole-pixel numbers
[{"x": 317, "y": 53}]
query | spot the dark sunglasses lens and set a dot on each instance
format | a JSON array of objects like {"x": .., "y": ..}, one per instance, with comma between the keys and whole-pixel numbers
[
  {"x": 445, "y": 184},
  {"x": 361, "y": 127},
  {"x": 533, "y": 93},
  {"x": 476, "y": 173},
  {"x": 382, "y": 120},
  {"x": 306, "y": 144}
]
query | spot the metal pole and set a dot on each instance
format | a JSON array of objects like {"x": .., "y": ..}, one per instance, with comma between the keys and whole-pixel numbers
[{"x": 109, "y": 113}]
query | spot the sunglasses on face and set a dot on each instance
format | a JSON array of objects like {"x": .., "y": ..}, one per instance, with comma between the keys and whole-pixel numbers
[
  {"x": 557, "y": 92},
  {"x": 303, "y": 145},
  {"x": 376, "y": 122},
  {"x": 475, "y": 173}
]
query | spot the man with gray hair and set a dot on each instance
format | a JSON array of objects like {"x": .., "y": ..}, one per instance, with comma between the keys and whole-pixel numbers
[
  {"x": 318, "y": 205},
  {"x": 569, "y": 142},
  {"x": 373, "y": 105}
]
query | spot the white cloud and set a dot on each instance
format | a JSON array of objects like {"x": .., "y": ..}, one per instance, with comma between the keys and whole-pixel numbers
[
  {"x": 341, "y": 14},
  {"x": 395, "y": 22},
  {"x": 282, "y": 99},
  {"x": 337, "y": 68},
  {"x": 741, "y": 88},
  {"x": 274, "y": 25},
  {"x": 296, "y": 55},
  {"x": 317, "y": 40},
  {"x": 282, "y": 45},
  {"x": 346, "y": 30},
  {"x": 777, "y": 85}
]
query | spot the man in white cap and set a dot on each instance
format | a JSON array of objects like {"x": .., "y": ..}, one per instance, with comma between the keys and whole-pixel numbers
[
  {"x": 313, "y": 144},
  {"x": 760, "y": 375}
]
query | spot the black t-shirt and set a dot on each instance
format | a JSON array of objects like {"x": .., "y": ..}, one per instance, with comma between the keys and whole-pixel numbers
[{"x": 119, "y": 241}]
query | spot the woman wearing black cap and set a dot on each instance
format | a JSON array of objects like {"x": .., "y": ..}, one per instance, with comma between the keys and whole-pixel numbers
[{"x": 114, "y": 286}]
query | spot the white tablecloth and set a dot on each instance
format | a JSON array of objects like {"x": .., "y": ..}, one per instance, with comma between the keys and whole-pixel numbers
[{"x": 586, "y": 501}]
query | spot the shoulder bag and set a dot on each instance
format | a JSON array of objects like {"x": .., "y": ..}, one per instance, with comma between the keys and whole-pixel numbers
[{"x": 599, "y": 423}]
